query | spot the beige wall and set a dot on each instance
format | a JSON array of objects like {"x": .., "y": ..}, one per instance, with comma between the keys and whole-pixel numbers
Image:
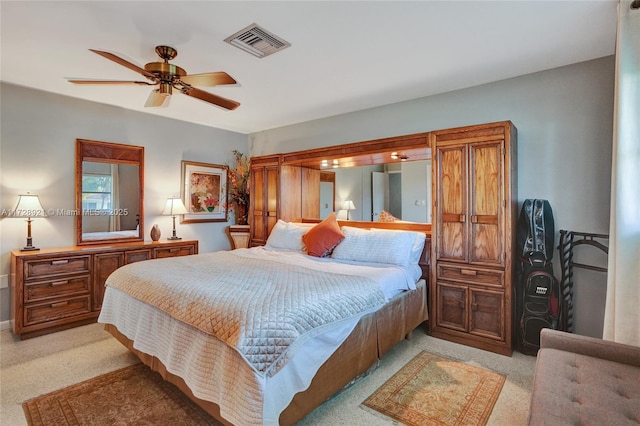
[{"x": 37, "y": 154}]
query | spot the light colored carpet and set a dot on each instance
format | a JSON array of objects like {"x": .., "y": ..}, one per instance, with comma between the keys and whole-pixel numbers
[
  {"x": 433, "y": 390},
  {"x": 43, "y": 364}
]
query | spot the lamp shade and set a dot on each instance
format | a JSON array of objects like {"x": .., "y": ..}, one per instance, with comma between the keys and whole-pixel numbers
[
  {"x": 173, "y": 207},
  {"x": 348, "y": 205},
  {"x": 29, "y": 206}
]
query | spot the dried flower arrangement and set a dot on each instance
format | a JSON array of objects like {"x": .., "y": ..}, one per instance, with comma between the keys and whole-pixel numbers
[{"x": 238, "y": 191}]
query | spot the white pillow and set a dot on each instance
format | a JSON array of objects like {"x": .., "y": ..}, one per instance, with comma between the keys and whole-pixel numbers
[
  {"x": 288, "y": 236},
  {"x": 375, "y": 246},
  {"x": 418, "y": 244}
]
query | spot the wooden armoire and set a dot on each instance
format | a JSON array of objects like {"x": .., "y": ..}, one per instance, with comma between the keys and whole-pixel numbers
[
  {"x": 473, "y": 235},
  {"x": 264, "y": 200},
  {"x": 270, "y": 181}
]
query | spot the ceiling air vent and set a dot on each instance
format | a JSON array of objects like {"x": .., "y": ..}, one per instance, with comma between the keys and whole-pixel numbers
[{"x": 257, "y": 41}]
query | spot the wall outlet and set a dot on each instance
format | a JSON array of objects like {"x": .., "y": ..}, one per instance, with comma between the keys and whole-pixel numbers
[{"x": 4, "y": 281}]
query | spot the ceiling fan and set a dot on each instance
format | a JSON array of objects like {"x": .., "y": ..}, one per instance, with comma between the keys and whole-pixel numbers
[{"x": 169, "y": 76}]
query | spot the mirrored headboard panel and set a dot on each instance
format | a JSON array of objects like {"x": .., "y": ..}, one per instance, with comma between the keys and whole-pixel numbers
[
  {"x": 109, "y": 192},
  {"x": 391, "y": 174}
]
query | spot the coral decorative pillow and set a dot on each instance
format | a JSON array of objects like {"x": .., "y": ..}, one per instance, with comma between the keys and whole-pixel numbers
[
  {"x": 324, "y": 237},
  {"x": 385, "y": 216}
]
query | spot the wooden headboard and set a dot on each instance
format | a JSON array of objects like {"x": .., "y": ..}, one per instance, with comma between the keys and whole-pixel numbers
[{"x": 399, "y": 226}]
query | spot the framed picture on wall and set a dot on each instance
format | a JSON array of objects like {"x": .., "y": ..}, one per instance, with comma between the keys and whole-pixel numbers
[{"x": 204, "y": 192}]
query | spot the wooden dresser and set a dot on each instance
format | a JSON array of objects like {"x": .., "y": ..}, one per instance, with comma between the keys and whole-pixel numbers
[{"x": 60, "y": 288}]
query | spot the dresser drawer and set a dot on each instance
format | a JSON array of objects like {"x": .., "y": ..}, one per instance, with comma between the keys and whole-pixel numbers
[
  {"x": 470, "y": 275},
  {"x": 55, "y": 310},
  {"x": 59, "y": 266},
  {"x": 161, "y": 252},
  {"x": 132, "y": 256},
  {"x": 42, "y": 290}
]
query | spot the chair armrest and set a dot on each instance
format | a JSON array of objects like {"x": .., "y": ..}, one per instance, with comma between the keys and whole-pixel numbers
[{"x": 590, "y": 346}]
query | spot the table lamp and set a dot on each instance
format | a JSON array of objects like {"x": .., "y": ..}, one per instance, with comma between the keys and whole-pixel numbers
[
  {"x": 174, "y": 207},
  {"x": 348, "y": 205},
  {"x": 29, "y": 206}
]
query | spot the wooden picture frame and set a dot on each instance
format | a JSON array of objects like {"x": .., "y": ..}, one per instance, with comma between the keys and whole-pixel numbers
[{"x": 204, "y": 192}]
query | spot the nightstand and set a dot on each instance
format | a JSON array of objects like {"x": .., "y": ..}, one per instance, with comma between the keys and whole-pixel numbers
[{"x": 239, "y": 236}]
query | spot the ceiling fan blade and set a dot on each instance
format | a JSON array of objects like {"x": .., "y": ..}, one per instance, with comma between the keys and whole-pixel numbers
[
  {"x": 156, "y": 99},
  {"x": 124, "y": 63},
  {"x": 211, "y": 98},
  {"x": 208, "y": 79},
  {"x": 82, "y": 81}
]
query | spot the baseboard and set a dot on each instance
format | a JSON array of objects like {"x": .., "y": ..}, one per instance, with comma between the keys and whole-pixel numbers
[{"x": 5, "y": 325}]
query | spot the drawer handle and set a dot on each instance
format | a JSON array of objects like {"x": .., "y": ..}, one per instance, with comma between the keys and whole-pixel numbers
[
  {"x": 56, "y": 283},
  {"x": 60, "y": 262},
  {"x": 59, "y": 304},
  {"x": 468, "y": 272}
]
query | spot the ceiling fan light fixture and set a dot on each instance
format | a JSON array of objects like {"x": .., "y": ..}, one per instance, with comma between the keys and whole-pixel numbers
[
  {"x": 166, "y": 76},
  {"x": 164, "y": 89}
]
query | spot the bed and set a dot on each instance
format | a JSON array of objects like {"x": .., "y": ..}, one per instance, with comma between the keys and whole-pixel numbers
[{"x": 303, "y": 327}]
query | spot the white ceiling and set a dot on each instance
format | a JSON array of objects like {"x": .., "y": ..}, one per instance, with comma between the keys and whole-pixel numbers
[{"x": 345, "y": 55}]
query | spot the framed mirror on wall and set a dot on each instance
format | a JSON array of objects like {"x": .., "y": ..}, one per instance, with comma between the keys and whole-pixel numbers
[{"x": 109, "y": 192}]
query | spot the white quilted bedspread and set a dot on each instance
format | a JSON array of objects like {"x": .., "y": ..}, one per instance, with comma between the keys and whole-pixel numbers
[{"x": 264, "y": 310}]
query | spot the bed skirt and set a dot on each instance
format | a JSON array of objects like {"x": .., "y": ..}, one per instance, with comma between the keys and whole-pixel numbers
[{"x": 374, "y": 335}]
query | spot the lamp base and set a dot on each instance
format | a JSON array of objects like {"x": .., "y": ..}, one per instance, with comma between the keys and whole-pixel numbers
[
  {"x": 174, "y": 238},
  {"x": 29, "y": 246}
]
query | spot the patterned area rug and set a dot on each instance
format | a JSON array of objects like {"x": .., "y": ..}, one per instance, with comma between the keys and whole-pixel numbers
[
  {"x": 431, "y": 390},
  {"x": 134, "y": 395}
]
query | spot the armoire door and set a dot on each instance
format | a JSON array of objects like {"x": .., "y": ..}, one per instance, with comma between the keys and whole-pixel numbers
[
  {"x": 452, "y": 203},
  {"x": 264, "y": 202},
  {"x": 452, "y": 306},
  {"x": 487, "y": 312},
  {"x": 486, "y": 203}
]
